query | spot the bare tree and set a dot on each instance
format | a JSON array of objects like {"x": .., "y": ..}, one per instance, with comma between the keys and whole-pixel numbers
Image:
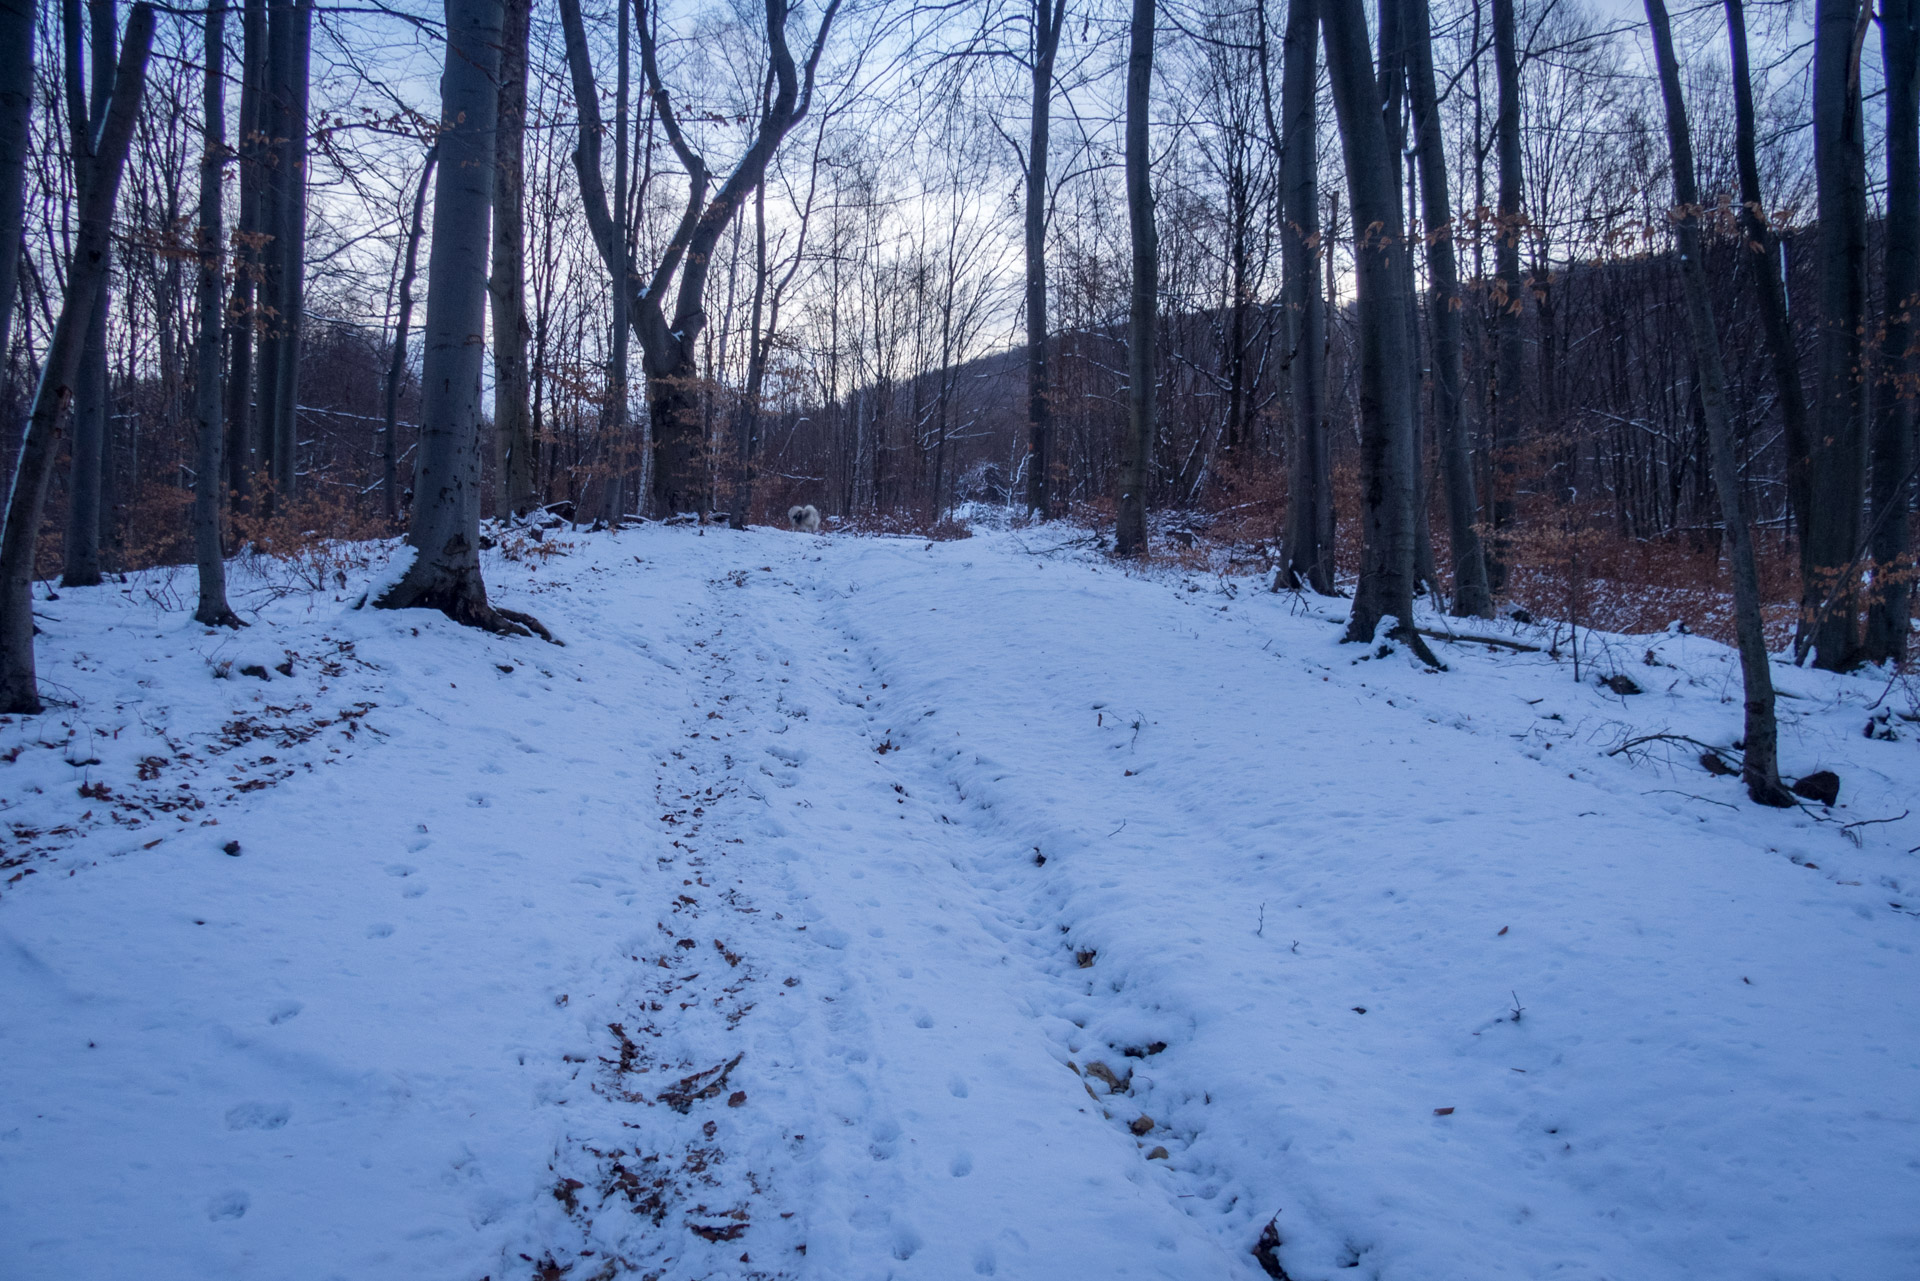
[
  {"x": 444, "y": 533},
  {"x": 671, "y": 345},
  {"x": 1509, "y": 225},
  {"x": 1384, "y": 329},
  {"x": 1310, "y": 529},
  {"x": 1759, "y": 767},
  {"x": 1471, "y": 598},
  {"x": 507, "y": 288},
  {"x": 1889, "y": 610},
  {"x": 1042, "y": 487},
  {"x": 397, "y": 359},
  {"x": 16, "y": 119},
  {"x": 1136, "y": 448},
  {"x": 1838, "y": 455},
  {"x": 209, "y": 475},
  {"x": 104, "y": 161}
]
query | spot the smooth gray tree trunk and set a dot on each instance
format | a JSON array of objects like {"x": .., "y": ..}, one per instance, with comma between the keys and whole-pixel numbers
[
  {"x": 507, "y": 288},
  {"x": 1310, "y": 530},
  {"x": 1509, "y": 226},
  {"x": 1760, "y": 764},
  {"x": 209, "y": 476},
  {"x": 1471, "y": 597},
  {"x": 16, "y": 118},
  {"x": 1837, "y": 470},
  {"x": 1385, "y": 295},
  {"x": 397, "y": 358},
  {"x": 86, "y": 279},
  {"x": 243, "y": 459},
  {"x": 80, "y": 550},
  {"x": 1890, "y": 608},
  {"x": 1136, "y": 446},
  {"x": 1041, "y": 485},
  {"x": 445, "y": 530},
  {"x": 1763, "y": 257}
]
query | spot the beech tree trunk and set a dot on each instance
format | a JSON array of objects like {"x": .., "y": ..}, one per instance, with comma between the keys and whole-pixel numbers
[
  {"x": 88, "y": 89},
  {"x": 397, "y": 360},
  {"x": 1385, "y": 296},
  {"x": 243, "y": 458},
  {"x": 290, "y": 32},
  {"x": 1763, "y": 257},
  {"x": 1760, "y": 768},
  {"x": 1837, "y": 458},
  {"x": 512, "y": 411},
  {"x": 1471, "y": 597},
  {"x": 1136, "y": 447},
  {"x": 209, "y": 476},
  {"x": 1041, "y": 486},
  {"x": 1310, "y": 532},
  {"x": 1889, "y": 610},
  {"x": 1510, "y": 223},
  {"x": 445, "y": 530},
  {"x": 16, "y": 118},
  {"x": 86, "y": 278}
]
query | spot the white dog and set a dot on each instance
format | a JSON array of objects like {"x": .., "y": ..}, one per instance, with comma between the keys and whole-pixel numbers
[{"x": 805, "y": 519}]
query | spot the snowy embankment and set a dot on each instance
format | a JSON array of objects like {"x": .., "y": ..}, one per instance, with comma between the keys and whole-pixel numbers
[{"x": 856, "y": 908}]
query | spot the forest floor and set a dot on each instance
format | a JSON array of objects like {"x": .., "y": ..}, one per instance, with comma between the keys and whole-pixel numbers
[{"x": 853, "y": 907}]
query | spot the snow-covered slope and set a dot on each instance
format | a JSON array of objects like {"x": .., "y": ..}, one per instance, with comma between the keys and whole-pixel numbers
[{"x": 854, "y": 908}]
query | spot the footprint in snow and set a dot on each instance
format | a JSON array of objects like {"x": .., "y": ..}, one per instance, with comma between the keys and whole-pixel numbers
[
  {"x": 957, "y": 1086},
  {"x": 962, "y": 1165},
  {"x": 379, "y": 931},
  {"x": 228, "y": 1205},
  {"x": 284, "y": 1011},
  {"x": 983, "y": 1260},
  {"x": 258, "y": 1116}
]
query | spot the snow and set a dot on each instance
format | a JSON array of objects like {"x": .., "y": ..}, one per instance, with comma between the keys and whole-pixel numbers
[{"x": 864, "y": 894}]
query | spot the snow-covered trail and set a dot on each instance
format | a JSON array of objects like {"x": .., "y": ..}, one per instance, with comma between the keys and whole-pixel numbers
[{"x": 851, "y": 908}]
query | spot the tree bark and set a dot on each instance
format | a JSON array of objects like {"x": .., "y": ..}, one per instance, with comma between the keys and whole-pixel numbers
[
  {"x": 81, "y": 548},
  {"x": 1760, "y": 768},
  {"x": 1385, "y": 295},
  {"x": 1510, "y": 222},
  {"x": 1471, "y": 597},
  {"x": 243, "y": 459},
  {"x": 1763, "y": 257},
  {"x": 1310, "y": 532},
  {"x": 86, "y": 278},
  {"x": 614, "y": 420},
  {"x": 512, "y": 412},
  {"x": 290, "y": 239},
  {"x": 1890, "y": 608},
  {"x": 1838, "y": 456},
  {"x": 1136, "y": 448},
  {"x": 397, "y": 360},
  {"x": 16, "y": 118},
  {"x": 445, "y": 530},
  {"x": 209, "y": 476},
  {"x": 1041, "y": 486}
]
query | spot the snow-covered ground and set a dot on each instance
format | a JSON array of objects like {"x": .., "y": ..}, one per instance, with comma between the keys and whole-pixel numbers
[{"x": 852, "y": 908}]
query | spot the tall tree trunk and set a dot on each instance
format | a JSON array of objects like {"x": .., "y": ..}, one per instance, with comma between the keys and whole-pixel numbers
[
  {"x": 16, "y": 118},
  {"x": 512, "y": 412},
  {"x": 1309, "y": 551},
  {"x": 290, "y": 240},
  {"x": 209, "y": 477},
  {"x": 242, "y": 425},
  {"x": 1763, "y": 257},
  {"x": 1510, "y": 223},
  {"x": 1889, "y": 611},
  {"x": 1041, "y": 488},
  {"x": 1838, "y": 458},
  {"x": 614, "y": 423},
  {"x": 1471, "y": 598},
  {"x": 397, "y": 360},
  {"x": 758, "y": 345},
  {"x": 1386, "y": 365},
  {"x": 444, "y": 533},
  {"x": 669, "y": 346},
  {"x": 1760, "y": 768},
  {"x": 1136, "y": 448},
  {"x": 86, "y": 278},
  {"x": 81, "y": 547}
]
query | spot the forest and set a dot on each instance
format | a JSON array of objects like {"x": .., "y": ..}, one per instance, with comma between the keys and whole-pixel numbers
[{"x": 1234, "y": 639}]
